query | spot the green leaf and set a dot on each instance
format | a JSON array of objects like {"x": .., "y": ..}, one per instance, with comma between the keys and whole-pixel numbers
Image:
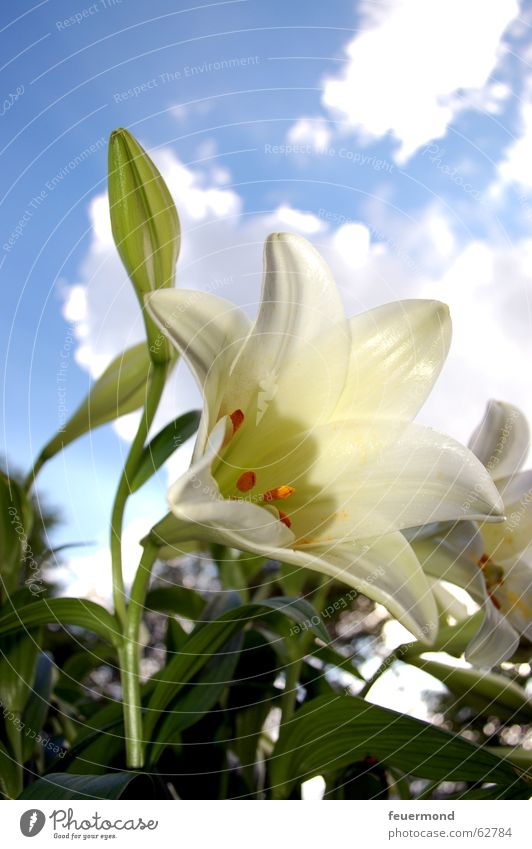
[
  {"x": 67, "y": 786},
  {"x": 163, "y": 445},
  {"x": 199, "y": 696},
  {"x": 521, "y": 758},
  {"x": 487, "y": 692},
  {"x": 330, "y": 657},
  {"x": 15, "y": 527},
  {"x": 9, "y": 774},
  {"x": 179, "y": 600},
  {"x": 211, "y": 636},
  {"x": 18, "y": 657},
  {"x": 98, "y": 739},
  {"x": 176, "y": 636},
  {"x": 63, "y": 611},
  {"x": 121, "y": 389},
  {"x": 98, "y": 753},
  {"x": 516, "y": 791},
  {"x": 453, "y": 639},
  {"x": 329, "y": 733},
  {"x": 38, "y": 704},
  {"x": 248, "y": 731}
]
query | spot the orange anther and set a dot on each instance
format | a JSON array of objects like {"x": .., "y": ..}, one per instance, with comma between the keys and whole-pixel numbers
[
  {"x": 286, "y": 520},
  {"x": 278, "y": 492},
  {"x": 246, "y": 481},
  {"x": 237, "y": 417}
]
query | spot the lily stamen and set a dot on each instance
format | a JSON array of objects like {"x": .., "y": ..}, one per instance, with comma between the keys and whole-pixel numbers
[
  {"x": 279, "y": 492},
  {"x": 286, "y": 520},
  {"x": 237, "y": 418},
  {"x": 246, "y": 481}
]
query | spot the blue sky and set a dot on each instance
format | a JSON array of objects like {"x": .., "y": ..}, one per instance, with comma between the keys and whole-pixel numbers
[{"x": 396, "y": 135}]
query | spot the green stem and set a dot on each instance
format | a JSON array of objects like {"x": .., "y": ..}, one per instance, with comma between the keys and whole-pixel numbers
[
  {"x": 293, "y": 671},
  {"x": 289, "y": 697},
  {"x": 385, "y": 665},
  {"x": 15, "y": 738},
  {"x": 155, "y": 389},
  {"x": 129, "y": 656}
]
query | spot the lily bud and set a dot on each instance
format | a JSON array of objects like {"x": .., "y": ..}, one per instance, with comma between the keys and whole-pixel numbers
[{"x": 144, "y": 221}]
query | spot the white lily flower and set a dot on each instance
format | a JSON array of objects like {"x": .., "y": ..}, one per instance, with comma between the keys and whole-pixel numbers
[
  {"x": 307, "y": 452},
  {"x": 493, "y": 562}
]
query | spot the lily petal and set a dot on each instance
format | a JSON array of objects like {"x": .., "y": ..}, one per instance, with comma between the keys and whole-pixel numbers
[
  {"x": 209, "y": 332},
  {"x": 501, "y": 439},
  {"x": 508, "y": 540},
  {"x": 355, "y": 481},
  {"x": 397, "y": 353},
  {"x": 204, "y": 514},
  {"x": 494, "y": 642},
  {"x": 296, "y": 355},
  {"x": 386, "y": 570},
  {"x": 515, "y": 597},
  {"x": 453, "y": 557}
]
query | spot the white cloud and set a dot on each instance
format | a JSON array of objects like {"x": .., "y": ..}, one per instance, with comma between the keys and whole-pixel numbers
[
  {"x": 409, "y": 63},
  {"x": 488, "y": 291},
  {"x": 90, "y": 575},
  {"x": 312, "y": 131},
  {"x": 305, "y": 223},
  {"x": 515, "y": 166},
  {"x": 352, "y": 242}
]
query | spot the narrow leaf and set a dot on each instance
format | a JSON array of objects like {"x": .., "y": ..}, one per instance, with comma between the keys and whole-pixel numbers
[
  {"x": 67, "y": 786},
  {"x": 208, "y": 639},
  {"x": 180, "y": 600},
  {"x": 163, "y": 445},
  {"x": 330, "y": 733},
  {"x": 121, "y": 389},
  {"x": 63, "y": 611},
  {"x": 487, "y": 692}
]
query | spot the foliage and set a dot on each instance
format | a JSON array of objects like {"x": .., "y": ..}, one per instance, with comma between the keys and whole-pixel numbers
[{"x": 252, "y": 677}]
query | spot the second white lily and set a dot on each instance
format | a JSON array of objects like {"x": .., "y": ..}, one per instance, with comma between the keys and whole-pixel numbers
[{"x": 493, "y": 562}]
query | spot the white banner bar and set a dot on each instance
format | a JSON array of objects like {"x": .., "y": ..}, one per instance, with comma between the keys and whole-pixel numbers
[{"x": 253, "y": 825}]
